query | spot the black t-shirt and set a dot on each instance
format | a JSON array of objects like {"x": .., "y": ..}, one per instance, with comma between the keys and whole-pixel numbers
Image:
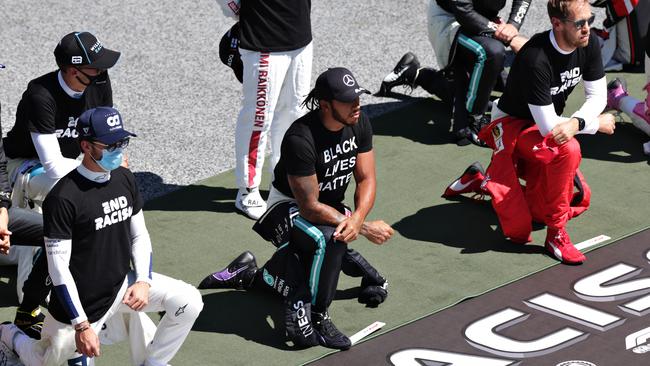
[
  {"x": 97, "y": 217},
  {"x": 46, "y": 108},
  {"x": 5, "y": 187},
  {"x": 275, "y": 25},
  {"x": 309, "y": 148},
  {"x": 540, "y": 75}
]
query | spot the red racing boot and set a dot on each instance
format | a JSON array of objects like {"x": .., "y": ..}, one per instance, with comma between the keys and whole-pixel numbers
[
  {"x": 469, "y": 181},
  {"x": 559, "y": 244}
]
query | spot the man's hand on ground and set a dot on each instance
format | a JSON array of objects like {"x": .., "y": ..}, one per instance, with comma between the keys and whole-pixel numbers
[{"x": 377, "y": 232}]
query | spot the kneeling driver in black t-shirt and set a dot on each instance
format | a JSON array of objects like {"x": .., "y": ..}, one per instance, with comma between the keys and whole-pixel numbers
[{"x": 307, "y": 219}]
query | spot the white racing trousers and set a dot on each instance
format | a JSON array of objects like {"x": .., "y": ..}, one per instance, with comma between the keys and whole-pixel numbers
[
  {"x": 275, "y": 85},
  {"x": 30, "y": 183},
  {"x": 181, "y": 302}
]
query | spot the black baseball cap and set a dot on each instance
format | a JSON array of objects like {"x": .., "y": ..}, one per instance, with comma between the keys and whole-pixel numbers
[
  {"x": 84, "y": 49},
  {"x": 103, "y": 124},
  {"x": 229, "y": 51},
  {"x": 339, "y": 84}
]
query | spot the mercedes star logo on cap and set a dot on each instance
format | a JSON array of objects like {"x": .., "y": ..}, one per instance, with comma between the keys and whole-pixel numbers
[{"x": 348, "y": 80}]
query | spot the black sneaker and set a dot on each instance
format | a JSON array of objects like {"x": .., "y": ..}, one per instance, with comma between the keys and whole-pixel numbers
[
  {"x": 469, "y": 135},
  {"x": 30, "y": 323},
  {"x": 328, "y": 335},
  {"x": 239, "y": 274},
  {"x": 479, "y": 122},
  {"x": 404, "y": 73}
]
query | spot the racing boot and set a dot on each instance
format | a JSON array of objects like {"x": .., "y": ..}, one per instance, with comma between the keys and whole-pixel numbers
[
  {"x": 250, "y": 202},
  {"x": 298, "y": 320},
  {"x": 615, "y": 91},
  {"x": 469, "y": 134},
  {"x": 642, "y": 110},
  {"x": 469, "y": 181},
  {"x": 374, "y": 287},
  {"x": 559, "y": 244},
  {"x": 328, "y": 335},
  {"x": 239, "y": 274},
  {"x": 404, "y": 73},
  {"x": 31, "y": 323}
]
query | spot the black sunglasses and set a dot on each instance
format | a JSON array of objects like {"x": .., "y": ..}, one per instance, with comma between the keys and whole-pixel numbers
[
  {"x": 580, "y": 23},
  {"x": 122, "y": 144}
]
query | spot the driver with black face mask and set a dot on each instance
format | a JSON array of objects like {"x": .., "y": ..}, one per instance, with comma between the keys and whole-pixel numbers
[
  {"x": 91, "y": 75},
  {"x": 43, "y": 144}
]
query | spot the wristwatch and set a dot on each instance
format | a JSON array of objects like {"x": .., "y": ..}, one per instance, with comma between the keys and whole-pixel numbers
[{"x": 581, "y": 123}]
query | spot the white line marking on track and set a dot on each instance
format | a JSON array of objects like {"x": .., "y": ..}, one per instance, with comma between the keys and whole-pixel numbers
[
  {"x": 366, "y": 332},
  {"x": 591, "y": 242}
]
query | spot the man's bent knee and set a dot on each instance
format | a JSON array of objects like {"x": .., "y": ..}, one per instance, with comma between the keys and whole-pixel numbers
[
  {"x": 495, "y": 51},
  {"x": 571, "y": 148},
  {"x": 185, "y": 305}
]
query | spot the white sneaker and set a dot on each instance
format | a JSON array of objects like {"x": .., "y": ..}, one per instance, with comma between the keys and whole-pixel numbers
[{"x": 250, "y": 202}]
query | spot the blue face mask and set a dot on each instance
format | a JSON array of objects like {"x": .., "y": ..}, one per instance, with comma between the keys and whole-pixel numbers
[{"x": 110, "y": 160}]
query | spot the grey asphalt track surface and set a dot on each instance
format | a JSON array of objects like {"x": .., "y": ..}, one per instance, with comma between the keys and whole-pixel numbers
[{"x": 170, "y": 85}]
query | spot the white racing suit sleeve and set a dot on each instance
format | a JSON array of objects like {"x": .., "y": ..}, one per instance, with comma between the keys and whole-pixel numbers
[
  {"x": 58, "y": 261},
  {"x": 141, "y": 253},
  {"x": 49, "y": 153},
  {"x": 595, "y": 103}
]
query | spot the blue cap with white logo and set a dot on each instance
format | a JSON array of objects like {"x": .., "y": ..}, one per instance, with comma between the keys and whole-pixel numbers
[{"x": 103, "y": 124}]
